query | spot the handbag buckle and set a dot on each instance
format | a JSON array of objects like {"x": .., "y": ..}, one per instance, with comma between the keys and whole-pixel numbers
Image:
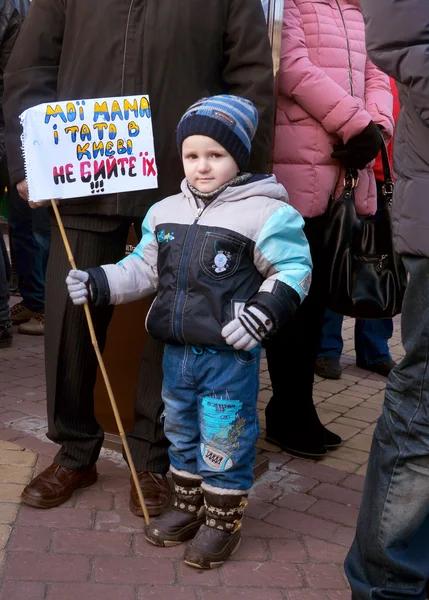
[
  {"x": 388, "y": 188},
  {"x": 350, "y": 182}
]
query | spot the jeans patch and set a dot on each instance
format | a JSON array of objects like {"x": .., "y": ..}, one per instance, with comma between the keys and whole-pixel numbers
[{"x": 221, "y": 430}]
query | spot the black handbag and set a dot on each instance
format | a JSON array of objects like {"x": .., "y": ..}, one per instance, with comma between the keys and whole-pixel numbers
[{"x": 366, "y": 277}]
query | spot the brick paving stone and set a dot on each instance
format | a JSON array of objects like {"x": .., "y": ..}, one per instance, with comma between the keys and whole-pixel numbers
[
  {"x": 294, "y": 482},
  {"x": 355, "y": 423},
  {"x": 306, "y": 595},
  {"x": 338, "y": 594},
  {"x": 10, "y": 474},
  {"x": 252, "y": 549},
  {"x": 359, "y": 442},
  {"x": 323, "y": 551},
  {"x": 354, "y": 482},
  {"x": 343, "y": 430},
  {"x": 354, "y": 394},
  {"x": 21, "y": 590},
  {"x": 32, "y": 407},
  {"x": 40, "y": 566},
  {"x": 364, "y": 414},
  {"x": 325, "y": 577},
  {"x": 91, "y": 542},
  {"x": 93, "y": 498},
  {"x": 333, "y": 387},
  {"x": 36, "y": 539},
  {"x": 8, "y": 513},
  {"x": 266, "y": 492},
  {"x": 362, "y": 470},
  {"x": 122, "y": 522},
  {"x": 265, "y": 575},
  {"x": 59, "y": 518},
  {"x": 5, "y": 531},
  {"x": 344, "y": 536},
  {"x": 295, "y": 501},
  {"x": 326, "y": 491},
  {"x": 326, "y": 416},
  {"x": 331, "y": 406},
  {"x": 350, "y": 454},
  {"x": 261, "y": 529},
  {"x": 316, "y": 471},
  {"x": 258, "y": 509},
  {"x": 8, "y": 433},
  {"x": 93, "y": 591},
  {"x": 339, "y": 513},
  {"x": 17, "y": 458},
  {"x": 340, "y": 464},
  {"x": 277, "y": 459},
  {"x": 302, "y": 523},
  {"x": 344, "y": 401},
  {"x": 290, "y": 551},
  {"x": 132, "y": 570},
  {"x": 10, "y": 492},
  {"x": 230, "y": 593},
  {"x": 26, "y": 393},
  {"x": 162, "y": 592},
  {"x": 189, "y": 576}
]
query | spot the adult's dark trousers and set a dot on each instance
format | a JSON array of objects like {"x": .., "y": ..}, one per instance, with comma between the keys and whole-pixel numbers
[
  {"x": 389, "y": 558},
  {"x": 4, "y": 261},
  {"x": 30, "y": 241},
  {"x": 292, "y": 353},
  {"x": 71, "y": 364}
]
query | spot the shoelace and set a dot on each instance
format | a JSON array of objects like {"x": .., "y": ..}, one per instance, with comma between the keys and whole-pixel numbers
[{"x": 17, "y": 308}]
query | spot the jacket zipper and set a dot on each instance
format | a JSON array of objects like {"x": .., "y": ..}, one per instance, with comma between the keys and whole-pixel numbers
[
  {"x": 352, "y": 91},
  {"x": 180, "y": 297}
]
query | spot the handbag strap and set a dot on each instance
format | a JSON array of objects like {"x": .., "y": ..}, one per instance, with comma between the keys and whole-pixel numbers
[{"x": 388, "y": 185}]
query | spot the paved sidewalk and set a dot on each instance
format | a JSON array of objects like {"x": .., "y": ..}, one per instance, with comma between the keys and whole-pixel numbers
[{"x": 298, "y": 528}]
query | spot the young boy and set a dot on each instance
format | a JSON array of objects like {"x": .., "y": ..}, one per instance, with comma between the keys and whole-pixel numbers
[{"x": 230, "y": 262}]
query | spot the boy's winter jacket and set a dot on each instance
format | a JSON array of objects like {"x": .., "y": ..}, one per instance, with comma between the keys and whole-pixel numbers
[
  {"x": 398, "y": 42},
  {"x": 328, "y": 92},
  {"x": 207, "y": 261}
]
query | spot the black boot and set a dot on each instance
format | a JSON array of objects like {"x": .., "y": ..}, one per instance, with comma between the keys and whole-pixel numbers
[
  {"x": 5, "y": 334},
  {"x": 328, "y": 367},
  {"x": 220, "y": 536},
  {"x": 181, "y": 521}
]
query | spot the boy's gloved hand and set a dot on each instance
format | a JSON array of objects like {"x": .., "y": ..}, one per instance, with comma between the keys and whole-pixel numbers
[
  {"x": 248, "y": 329},
  {"x": 77, "y": 283}
]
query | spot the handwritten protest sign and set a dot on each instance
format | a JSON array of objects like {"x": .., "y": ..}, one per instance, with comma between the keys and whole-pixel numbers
[{"x": 89, "y": 147}]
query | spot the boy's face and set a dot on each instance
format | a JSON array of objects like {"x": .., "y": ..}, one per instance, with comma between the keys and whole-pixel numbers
[{"x": 206, "y": 163}]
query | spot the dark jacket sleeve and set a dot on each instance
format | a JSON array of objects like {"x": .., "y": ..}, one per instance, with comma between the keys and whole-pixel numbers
[
  {"x": 397, "y": 34},
  {"x": 31, "y": 73},
  {"x": 248, "y": 72}
]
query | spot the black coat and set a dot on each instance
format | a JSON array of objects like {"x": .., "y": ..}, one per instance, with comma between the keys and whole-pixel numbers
[{"x": 177, "y": 51}]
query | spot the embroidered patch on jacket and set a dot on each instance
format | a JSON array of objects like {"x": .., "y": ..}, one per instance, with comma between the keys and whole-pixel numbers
[
  {"x": 305, "y": 284},
  {"x": 162, "y": 236},
  {"x": 221, "y": 261},
  {"x": 215, "y": 458}
]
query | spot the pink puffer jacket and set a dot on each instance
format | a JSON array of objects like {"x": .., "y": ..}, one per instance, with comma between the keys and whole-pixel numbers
[{"x": 328, "y": 91}]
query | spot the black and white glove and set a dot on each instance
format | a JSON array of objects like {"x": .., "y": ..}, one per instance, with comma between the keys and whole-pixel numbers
[
  {"x": 78, "y": 286},
  {"x": 248, "y": 329}
]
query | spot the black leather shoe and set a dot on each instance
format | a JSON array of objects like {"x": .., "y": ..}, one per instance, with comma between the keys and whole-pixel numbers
[
  {"x": 328, "y": 367},
  {"x": 5, "y": 334},
  {"x": 331, "y": 440},
  {"x": 382, "y": 368}
]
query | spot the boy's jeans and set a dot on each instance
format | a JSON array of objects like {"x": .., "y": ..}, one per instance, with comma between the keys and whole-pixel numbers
[
  {"x": 211, "y": 418},
  {"x": 390, "y": 555},
  {"x": 371, "y": 338}
]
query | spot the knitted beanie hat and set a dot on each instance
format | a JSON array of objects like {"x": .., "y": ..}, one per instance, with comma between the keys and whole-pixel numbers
[{"x": 230, "y": 120}]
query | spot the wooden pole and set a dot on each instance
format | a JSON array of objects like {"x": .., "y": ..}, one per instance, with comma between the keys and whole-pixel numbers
[{"x": 103, "y": 371}]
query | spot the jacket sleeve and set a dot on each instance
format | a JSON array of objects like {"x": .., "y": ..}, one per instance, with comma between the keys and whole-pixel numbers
[
  {"x": 397, "y": 37},
  {"x": 31, "y": 73},
  {"x": 282, "y": 256},
  {"x": 248, "y": 72},
  {"x": 321, "y": 97},
  {"x": 132, "y": 278},
  {"x": 379, "y": 99}
]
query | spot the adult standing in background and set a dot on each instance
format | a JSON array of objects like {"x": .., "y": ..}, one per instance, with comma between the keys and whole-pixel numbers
[
  {"x": 390, "y": 554},
  {"x": 176, "y": 52},
  {"x": 12, "y": 14}
]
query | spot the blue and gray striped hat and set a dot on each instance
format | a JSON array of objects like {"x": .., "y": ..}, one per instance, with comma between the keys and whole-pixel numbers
[{"x": 230, "y": 120}]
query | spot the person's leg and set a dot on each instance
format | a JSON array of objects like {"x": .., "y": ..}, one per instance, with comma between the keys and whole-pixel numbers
[
  {"x": 182, "y": 520},
  {"x": 5, "y": 324},
  {"x": 291, "y": 417},
  {"x": 372, "y": 341},
  {"x": 228, "y": 386},
  {"x": 331, "y": 340},
  {"x": 389, "y": 557}
]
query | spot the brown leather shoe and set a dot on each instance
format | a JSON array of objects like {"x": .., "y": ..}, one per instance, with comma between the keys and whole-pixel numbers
[
  {"x": 156, "y": 492},
  {"x": 55, "y": 485}
]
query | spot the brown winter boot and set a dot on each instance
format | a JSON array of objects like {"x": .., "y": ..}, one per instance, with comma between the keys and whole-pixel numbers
[
  {"x": 181, "y": 521},
  {"x": 220, "y": 536}
]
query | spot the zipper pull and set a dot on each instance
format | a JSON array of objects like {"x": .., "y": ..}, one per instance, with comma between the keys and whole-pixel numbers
[
  {"x": 199, "y": 213},
  {"x": 380, "y": 263}
]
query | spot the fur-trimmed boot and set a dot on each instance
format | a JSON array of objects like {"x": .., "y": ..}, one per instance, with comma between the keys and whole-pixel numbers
[
  {"x": 181, "y": 521},
  {"x": 220, "y": 536}
]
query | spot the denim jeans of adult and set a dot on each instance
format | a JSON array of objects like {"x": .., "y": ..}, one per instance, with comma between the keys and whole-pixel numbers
[
  {"x": 4, "y": 282},
  {"x": 30, "y": 240},
  {"x": 389, "y": 558},
  {"x": 211, "y": 418},
  {"x": 371, "y": 338}
]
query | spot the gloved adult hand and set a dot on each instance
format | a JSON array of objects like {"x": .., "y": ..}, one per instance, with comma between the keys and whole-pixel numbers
[
  {"x": 77, "y": 283},
  {"x": 361, "y": 149},
  {"x": 248, "y": 329}
]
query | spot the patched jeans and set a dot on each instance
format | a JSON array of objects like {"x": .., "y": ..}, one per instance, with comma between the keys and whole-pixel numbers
[
  {"x": 389, "y": 558},
  {"x": 211, "y": 418}
]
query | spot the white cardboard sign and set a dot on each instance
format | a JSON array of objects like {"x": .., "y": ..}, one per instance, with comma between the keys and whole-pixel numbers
[{"x": 89, "y": 147}]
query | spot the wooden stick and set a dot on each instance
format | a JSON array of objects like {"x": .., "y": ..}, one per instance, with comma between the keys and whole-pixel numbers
[{"x": 103, "y": 371}]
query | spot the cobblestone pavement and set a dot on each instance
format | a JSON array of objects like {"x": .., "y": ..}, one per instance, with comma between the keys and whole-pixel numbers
[{"x": 298, "y": 528}]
